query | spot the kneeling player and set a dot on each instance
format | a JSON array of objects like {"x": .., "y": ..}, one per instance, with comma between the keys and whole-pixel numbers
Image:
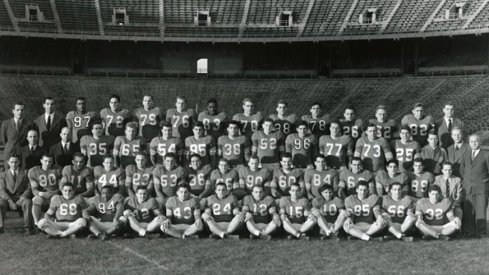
[
  {"x": 260, "y": 214},
  {"x": 67, "y": 211},
  {"x": 435, "y": 215},
  {"x": 183, "y": 212},
  {"x": 222, "y": 214},
  {"x": 364, "y": 216},
  {"x": 143, "y": 212},
  {"x": 104, "y": 213},
  {"x": 294, "y": 213},
  {"x": 329, "y": 211},
  {"x": 398, "y": 211}
]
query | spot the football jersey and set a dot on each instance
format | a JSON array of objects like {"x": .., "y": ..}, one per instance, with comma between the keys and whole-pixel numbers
[
  {"x": 113, "y": 177},
  {"x": 387, "y": 130},
  {"x": 249, "y": 124},
  {"x": 418, "y": 186},
  {"x": 214, "y": 125},
  {"x": 385, "y": 180},
  {"x": 354, "y": 129},
  {"x": 145, "y": 211},
  {"x": 268, "y": 146},
  {"x": 251, "y": 178},
  {"x": 372, "y": 153},
  {"x": 405, "y": 153},
  {"x": 160, "y": 147},
  {"x": 362, "y": 210},
  {"x": 182, "y": 212},
  {"x": 336, "y": 150},
  {"x": 302, "y": 149},
  {"x": 328, "y": 209},
  {"x": 47, "y": 181},
  {"x": 295, "y": 211},
  {"x": 204, "y": 146},
  {"x": 106, "y": 210},
  {"x": 284, "y": 125},
  {"x": 351, "y": 180},
  {"x": 319, "y": 178},
  {"x": 149, "y": 121},
  {"x": 228, "y": 178},
  {"x": 233, "y": 149},
  {"x": 434, "y": 213},
  {"x": 222, "y": 209},
  {"x": 198, "y": 178},
  {"x": 79, "y": 179},
  {"x": 259, "y": 209},
  {"x": 79, "y": 122},
  {"x": 181, "y": 122},
  {"x": 97, "y": 148},
  {"x": 169, "y": 179},
  {"x": 115, "y": 121},
  {"x": 139, "y": 177},
  {"x": 127, "y": 149},
  {"x": 67, "y": 210},
  {"x": 419, "y": 128},
  {"x": 318, "y": 126},
  {"x": 398, "y": 210},
  {"x": 283, "y": 180}
]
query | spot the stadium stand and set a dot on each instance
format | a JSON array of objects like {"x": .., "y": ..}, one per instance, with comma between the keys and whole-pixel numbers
[
  {"x": 482, "y": 19},
  {"x": 453, "y": 22},
  {"x": 4, "y": 17},
  {"x": 411, "y": 16},
  {"x": 183, "y": 12},
  {"x": 42, "y": 19},
  {"x": 78, "y": 16},
  {"x": 326, "y": 17},
  {"x": 382, "y": 10}
]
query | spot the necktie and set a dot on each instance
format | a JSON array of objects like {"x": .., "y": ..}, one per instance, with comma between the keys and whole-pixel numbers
[
  {"x": 447, "y": 188},
  {"x": 66, "y": 147},
  {"x": 473, "y": 154},
  {"x": 16, "y": 125},
  {"x": 32, "y": 149},
  {"x": 449, "y": 125},
  {"x": 14, "y": 175},
  {"x": 48, "y": 124}
]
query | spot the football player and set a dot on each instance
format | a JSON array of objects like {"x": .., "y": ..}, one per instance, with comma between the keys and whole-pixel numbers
[
  {"x": 419, "y": 180},
  {"x": 386, "y": 128},
  {"x": 373, "y": 150},
  {"x": 225, "y": 174},
  {"x": 398, "y": 212},
  {"x": 164, "y": 144},
  {"x": 349, "y": 178},
  {"x": 405, "y": 149},
  {"x": 329, "y": 211},
  {"x": 285, "y": 176},
  {"x": 181, "y": 119},
  {"x": 139, "y": 174},
  {"x": 200, "y": 144},
  {"x": 260, "y": 212},
  {"x": 78, "y": 121},
  {"x": 114, "y": 118},
  {"x": 148, "y": 117},
  {"x": 96, "y": 146},
  {"x": 126, "y": 147},
  {"x": 249, "y": 119},
  {"x": 268, "y": 145},
  {"x": 302, "y": 145},
  {"x": 199, "y": 178},
  {"x": 294, "y": 213},
  {"x": 282, "y": 120},
  {"x": 338, "y": 149},
  {"x": 433, "y": 155},
  {"x": 233, "y": 146},
  {"x": 213, "y": 120},
  {"x": 350, "y": 125},
  {"x": 321, "y": 175},
  {"x": 384, "y": 179},
  {"x": 108, "y": 174},
  {"x": 252, "y": 175},
  {"x": 79, "y": 175},
  {"x": 419, "y": 123},
  {"x": 166, "y": 178},
  {"x": 318, "y": 122}
]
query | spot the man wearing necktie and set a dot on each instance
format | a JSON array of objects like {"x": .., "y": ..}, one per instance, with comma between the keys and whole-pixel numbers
[
  {"x": 457, "y": 150},
  {"x": 63, "y": 150},
  {"x": 447, "y": 124},
  {"x": 451, "y": 188},
  {"x": 30, "y": 155},
  {"x": 49, "y": 124},
  {"x": 474, "y": 169}
]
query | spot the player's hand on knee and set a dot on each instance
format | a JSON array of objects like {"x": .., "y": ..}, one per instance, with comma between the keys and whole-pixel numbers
[
  {"x": 128, "y": 213},
  {"x": 165, "y": 224},
  {"x": 315, "y": 212},
  {"x": 12, "y": 205},
  {"x": 248, "y": 216}
]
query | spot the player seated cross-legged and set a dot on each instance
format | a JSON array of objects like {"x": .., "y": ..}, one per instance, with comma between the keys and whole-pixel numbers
[
  {"x": 435, "y": 215},
  {"x": 66, "y": 210},
  {"x": 294, "y": 213},
  {"x": 222, "y": 214},
  {"x": 364, "y": 215},
  {"x": 329, "y": 211},
  {"x": 261, "y": 215},
  {"x": 143, "y": 212},
  {"x": 104, "y": 213},
  {"x": 184, "y": 217},
  {"x": 398, "y": 212}
]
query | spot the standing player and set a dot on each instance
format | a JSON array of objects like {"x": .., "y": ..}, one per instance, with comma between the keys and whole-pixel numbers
[
  {"x": 318, "y": 122},
  {"x": 250, "y": 121},
  {"x": 433, "y": 155},
  {"x": 114, "y": 118},
  {"x": 142, "y": 212},
  {"x": 213, "y": 120},
  {"x": 294, "y": 213},
  {"x": 373, "y": 150},
  {"x": 139, "y": 175},
  {"x": 199, "y": 177},
  {"x": 364, "y": 215},
  {"x": 79, "y": 175},
  {"x": 108, "y": 174},
  {"x": 252, "y": 175},
  {"x": 420, "y": 180},
  {"x": 96, "y": 146},
  {"x": 222, "y": 214},
  {"x": 349, "y": 178},
  {"x": 166, "y": 178},
  {"x": 67, "y": 212},
  {"x": 386, "y": 128},
  {"x": 148, "y": 117},
  {"x": 350, "y": 125},
  {"x": 435, "y": 215},
  {"x": 284, "y": 177},
  {"x": 200, "y": 144},
  {"x": 282, "y": 120},
  {"x": 164, "y": 144},
  {"x": 314, "y": 179},
  {"x": 268, "y": 145},
  {"x": 233, "y": 146},
  {"x": 406, "y": 150},
  {"x": 419, "y": 124},
  {"x": 78, "y": 121},
  {"x": 398, "y": 212},
  {"x": 384, "y": 179},
  {"x": 329, "y": 211},
  {"x": 260, "y": 213},
  {"x": 302, "y": 146},
  {"x": 126, "y": 147},
  {"x": 181, "y": 119},
  {"x": 337, "y": 149}
]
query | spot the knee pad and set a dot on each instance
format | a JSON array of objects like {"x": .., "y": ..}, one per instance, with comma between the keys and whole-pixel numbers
[{"x": 37, "y": 200}]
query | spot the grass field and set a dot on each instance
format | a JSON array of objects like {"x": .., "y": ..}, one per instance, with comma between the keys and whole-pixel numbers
[{"x": 21, "y": 254}]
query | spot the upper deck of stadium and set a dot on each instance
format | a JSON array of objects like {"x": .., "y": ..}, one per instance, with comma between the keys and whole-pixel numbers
[{"x": 242, "y": 20}]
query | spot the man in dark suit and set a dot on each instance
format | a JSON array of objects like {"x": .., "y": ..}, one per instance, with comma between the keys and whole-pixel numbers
[
  {"x": 456, "y": 150},
  {"x": 63, "y": 150},
  {"x": 49, "y": 124},
  {"x": 30, "y": 155},
  {"x": 13, "y": 132},
  {"x": 15, "y": 193},
  {"x": 446, "y": 125},
  {"x": 474, "y": 168}
]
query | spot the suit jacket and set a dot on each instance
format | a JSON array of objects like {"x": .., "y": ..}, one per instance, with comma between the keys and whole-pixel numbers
[
  {"x": 14, "y": 190},
  {"x": 30, "y": 159},
  {"x": 455, "y": 156},
  {"x": 455, "y": 192},
  {"x": 61, "y": 156},
  {"x": 51, "y": 136},
  {"x": 13, "y": 138},
  {"x": 443, "y": 135},
  {"x": 475, "y": 173}
]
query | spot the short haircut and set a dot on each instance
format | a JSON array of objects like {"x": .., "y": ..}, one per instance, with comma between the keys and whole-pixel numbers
[
  {"x": 405, "y": 127},
  {"x": 389, "y": 162},
  {"x": 247, "y": 99},
  {"x": 234, "y": 122},
  {"x": 257, "y": 186},
  {"x": 141, "y": 187},
  {"x": 380, "y": 107},
  {"x": 394, "y": 183},
  {"x": 108, "y": 157},
  {"x": 286, "y": 155},
  {"x": 350, "y": 108},
  {"x": 183, "y": 185},
  {"x": 355, "y": 159},
  {"x": 418, "y": 104},
  {"x": 132, "y": 125},
  {"x": 281, "y": 101},
  {"x": 78, "y": 155},
  {"x": 267, "y": 120},
  {"x": 221, "y": 183},
  {"x": 14, "y": 155},
  {"x": 294, "y": 184},
  {"x": 302, "y": 123},
  {"x": 20, "y": 103},
  {"x": 48, "y": 98},
  {"x": 362, "y": 183},
  {"x": 199, "y": 124},
  {"x": 81, "y": 98},
  {"x": 320, "y": 156},
  {"x": 420, "y": 160},
  {"x": 115, "y": 96},
  {"x": 372, "y": 125},
  {"x": 165, "y": 124},
  {"x": 171, "y": 155},
  {"x": 325, "y": 187},
  {"x": 211, "y": 100},
  {"x": 47, "y": 155},
  {"x": 94, "y": 122},
  {"x": 194, "y": 155},
  {"x": 434, "y": 187},
  {"x": 315, "y": 103},
  {"x": 181, "y": 98},
  {"x": 69, "y": 184},
  {"x": 150, "y": 96},
  {"x": 254, "y": 157},
  {"x": 447, "y": 163}
]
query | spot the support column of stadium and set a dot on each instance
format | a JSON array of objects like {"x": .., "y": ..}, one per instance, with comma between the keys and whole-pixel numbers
[
  {"x": 302, "y": 26},
  {"x": 161, "y": 8},
  {"x": 242, "y": 25},
  {"x": 474, "y": 15},
  {"x": 348, "y": 16},
  {"x": 433, "y": 15},
  {"x": 11, "y": 15},
  {"x": 389, "y": 18},
  {"x": 57, "y": 22},
  {"x": 100, "y": 22}
]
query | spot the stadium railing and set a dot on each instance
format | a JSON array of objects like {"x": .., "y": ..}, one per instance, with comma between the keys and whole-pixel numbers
[
  {"x": 367, "y": 73},
  {"x": 453, "y": 70}
]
